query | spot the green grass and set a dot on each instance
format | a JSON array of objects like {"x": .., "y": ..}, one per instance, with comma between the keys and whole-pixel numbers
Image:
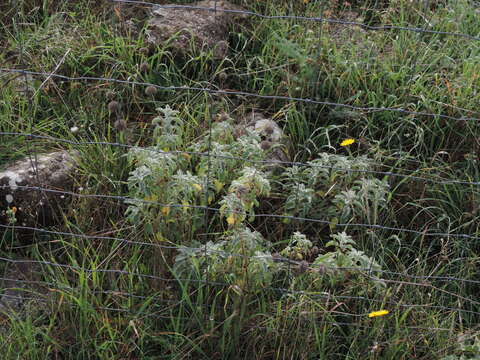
[{"x": 167, "y": 319}]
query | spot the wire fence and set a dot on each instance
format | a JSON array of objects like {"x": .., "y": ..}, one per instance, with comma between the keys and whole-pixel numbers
[
  {"x": 436, "y": 180},
  {"x": 243, "y": 93},
  {"x": 277, "y": 216},
  {"x": 163, "y": 308},
  {"x": 296, "y": 17}
]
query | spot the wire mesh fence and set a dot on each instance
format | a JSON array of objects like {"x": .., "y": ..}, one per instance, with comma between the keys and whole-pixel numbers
[{"x": 440, "y": 284}]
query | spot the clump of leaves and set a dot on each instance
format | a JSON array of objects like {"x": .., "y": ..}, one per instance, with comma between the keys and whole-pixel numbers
[
  {"x": 243, "y": 196},
  {"x": 172, "y": 183},
  {"x": 345, "y": 259},
  {"x": 468, "y": 347},
  {"x": 334, "y": 188},
  {"x": 343, "y": 264},
  {"x": 298, "y": 248},
  {"x": 240, "y": 258}
]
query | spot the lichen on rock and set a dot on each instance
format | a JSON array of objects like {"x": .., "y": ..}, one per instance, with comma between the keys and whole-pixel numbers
[
  {"x": 24, "y": 185},
  {"x": 202, "y": 25}
]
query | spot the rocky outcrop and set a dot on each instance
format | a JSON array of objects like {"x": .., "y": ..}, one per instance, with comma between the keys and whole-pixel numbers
[
  {"x": 191, "y": 28},
  {"x": 25, "y": 198},
  {"x": 274, "y": 142}
]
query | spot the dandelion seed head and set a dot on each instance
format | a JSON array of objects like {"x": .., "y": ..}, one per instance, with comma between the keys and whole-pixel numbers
[
  {"x": 144, "y": 67},
  {"x": 120, "y": 125}
]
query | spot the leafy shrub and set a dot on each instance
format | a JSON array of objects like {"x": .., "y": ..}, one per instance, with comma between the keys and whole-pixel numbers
[
  {"x": 239, "y": 258},
  {"x": 468, "y": 347},
  {"x": 172, "y": 183},
  {"x": 334, "y": 186}
]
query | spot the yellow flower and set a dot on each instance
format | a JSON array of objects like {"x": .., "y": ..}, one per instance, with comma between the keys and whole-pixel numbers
[
  {"x": 165, "y": 210},
  {"x": 14, "y": 210},
  {"x": 231, "y": 219},
  {"x": 347, "y": 142},
  {"x": 378, "y": 313}
]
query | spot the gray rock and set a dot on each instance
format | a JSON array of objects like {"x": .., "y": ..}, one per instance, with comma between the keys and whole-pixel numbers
[
  {"x": 20, "y": 185},
  {"x": 274, "y": 141},
  {"x": 186, "y": 29}
]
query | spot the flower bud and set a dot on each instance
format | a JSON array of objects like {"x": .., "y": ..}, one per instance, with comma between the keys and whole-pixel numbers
[
  {"x": 222, "y": 76},
  {"x": 144, "y": 67},
  {"x": 113, "y": 106},
  {"x": 144, "y": 50},
  {"x": 120, "y": 125},
  {"x": 265, "y": 145},
  {"x": 150, "y": 90}
]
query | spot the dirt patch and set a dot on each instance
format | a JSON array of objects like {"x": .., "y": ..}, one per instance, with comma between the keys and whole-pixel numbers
[{"x": 21, "y": 289}]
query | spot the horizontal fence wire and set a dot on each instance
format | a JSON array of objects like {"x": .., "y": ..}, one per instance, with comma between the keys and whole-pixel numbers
[
  {"x": 310, "y": 294},
  {"x": 300, "y": 18},
  {"x": 239, "y": 93},
  {"x": 369, "y": 271},
  {"x": 218, "y": 210},
  {"x": 38, "y": 299},
  {"x": 155, "y": 315},
  {"x": 247, "y": 160},
  {"x": 61, "y": 287}
]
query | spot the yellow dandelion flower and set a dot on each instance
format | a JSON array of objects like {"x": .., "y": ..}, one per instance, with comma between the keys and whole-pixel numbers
[
  {"x": 347, "y": 142},
  {"x": 197, "y": 187},
  {"x": 378, "y": 313},
  {"x": 165, "y": 210},
  {"x": 231, "y": 219}
]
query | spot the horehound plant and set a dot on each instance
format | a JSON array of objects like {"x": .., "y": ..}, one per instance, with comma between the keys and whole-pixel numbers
[
  {"x": 170, "y": 179},
  {"x": 335, "y": 186},
  {"x": 243, "y": 196},
  {"x": 172, "y": 182}
]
